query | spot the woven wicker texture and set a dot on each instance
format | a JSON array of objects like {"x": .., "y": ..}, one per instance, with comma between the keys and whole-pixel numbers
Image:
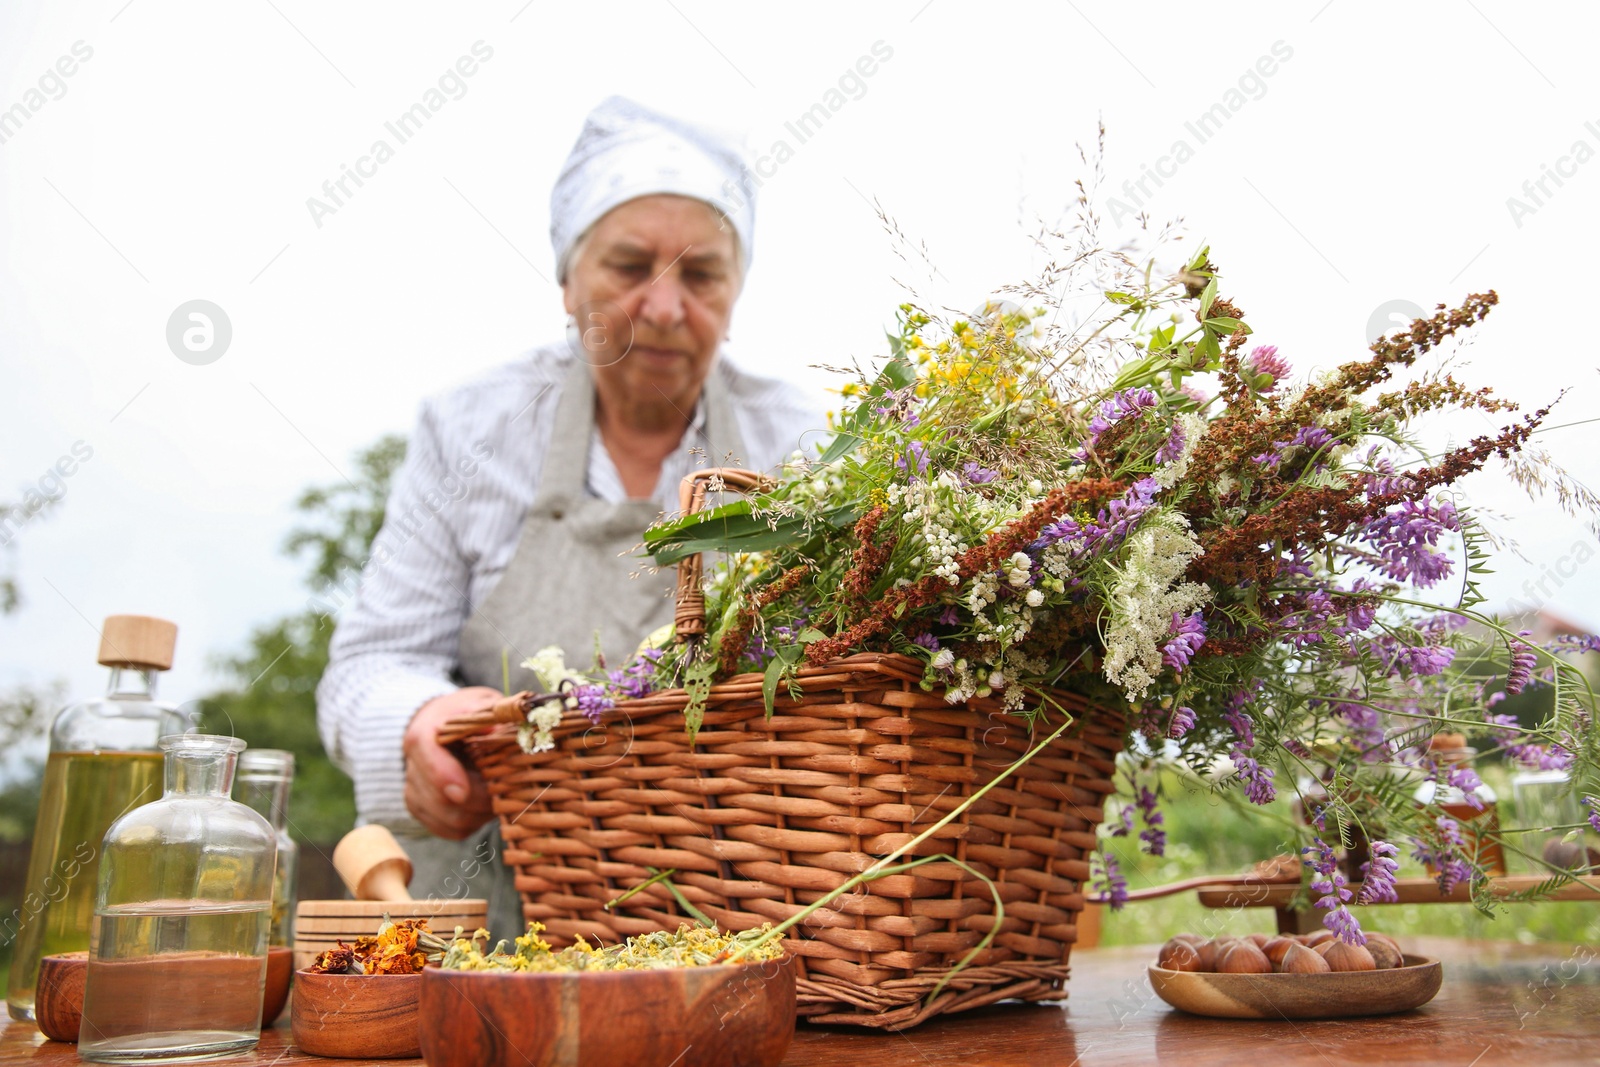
[{"x": 760, "y": 817}]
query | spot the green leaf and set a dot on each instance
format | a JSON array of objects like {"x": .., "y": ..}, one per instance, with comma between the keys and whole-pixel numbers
[
  {"x": 1121, "y": 298},
  {"x": 697, "y": 684},
  {"x": 842, "y": 445},
  {"x": 810, "y": 634},
  {"x": 744, "y": 534},
  {"x": 769, "y": 684},
  {"x": 666, "y": 531},
  {"x": 1225, "y": 324},
  {"x": 1207, "y": 295}
]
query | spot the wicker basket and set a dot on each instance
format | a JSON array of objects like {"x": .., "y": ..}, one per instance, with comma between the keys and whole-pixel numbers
[{"x": 760, "y": 817}]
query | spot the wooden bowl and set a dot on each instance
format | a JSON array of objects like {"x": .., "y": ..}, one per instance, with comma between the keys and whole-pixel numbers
[
  {"x": 275, "y": 994},
  {"x": 1335, "y": 995},
  {"x": 356, "y": 1016},
  {"x": 58, "y": 996},
  {"x": 731, "y": 1016}
]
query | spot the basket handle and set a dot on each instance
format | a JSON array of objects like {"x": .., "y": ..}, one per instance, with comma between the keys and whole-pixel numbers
[{"x": 689, "y": 618}]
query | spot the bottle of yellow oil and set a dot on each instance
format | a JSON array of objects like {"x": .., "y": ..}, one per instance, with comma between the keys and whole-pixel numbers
[{"x": 103, "y": 761}]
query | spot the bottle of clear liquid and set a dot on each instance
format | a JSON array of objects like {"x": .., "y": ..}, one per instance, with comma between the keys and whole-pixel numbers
[
  {"x": 262, "y": 783},
  {"x": 178, "y": 951},
  {"x": 103, "y": 762}
]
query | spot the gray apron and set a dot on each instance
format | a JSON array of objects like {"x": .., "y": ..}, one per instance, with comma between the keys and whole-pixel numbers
[{"x": 575, "y": 574}]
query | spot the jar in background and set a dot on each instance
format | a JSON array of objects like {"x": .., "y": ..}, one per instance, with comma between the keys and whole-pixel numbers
[{"x": 262, "y": 783}]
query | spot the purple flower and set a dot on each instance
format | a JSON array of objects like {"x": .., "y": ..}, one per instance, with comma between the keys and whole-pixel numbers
[
  {"x": 592, "y": 700},
  {"x": 1313, "y": 437},
  {"x": 1183, "y": 641},
  {"x": 1366, "y": 726},
  {"x": 1257, "y": 779},
  {"x": 1182, "y": 722},
  {"x": 637, "y": 679},
  {"x": 1335, "y": 896},
  {"x": 1153, "y": 839},
  {"x": 1403, "y": 538},
  {"x": 927, "y": 641},
  {"x": 1265, "y": 360},
  {"x": 949, "y": 617},
  {"x": 1112, "y": 885},
  {"x": 1173, "y": 447},
  {"x": 1579, "y": 642},
  {"x": 1063, "y": 529},
  {"x": 1523, "y": 660},
  {"x": 915, "y": 460},
  {"x": 1239, "y": 720},
  {"x": 1594, "y": 812},
  {"x": 1377, "y": 875},
  {"x": 973, "y": 474},
  {"x": 1467, "y": 781},
  {"x": 1425, "y": 660},
  {"x": 1127, "y": 402},
  {"x": 1124, "y": 824}
]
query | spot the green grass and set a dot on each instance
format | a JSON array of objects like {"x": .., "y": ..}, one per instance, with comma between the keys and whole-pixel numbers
[{"x": 1207, "y": 835}]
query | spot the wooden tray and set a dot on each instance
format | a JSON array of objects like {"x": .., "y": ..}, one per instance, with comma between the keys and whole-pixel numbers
[
  {"x": 377, "y": 909},
  {"x": 1335, "y": 995}
]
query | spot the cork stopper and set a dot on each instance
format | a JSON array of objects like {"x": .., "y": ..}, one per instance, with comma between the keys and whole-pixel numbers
[
  {"x": 1451, "y": 748},
  {"x": 140, "y": 642}
]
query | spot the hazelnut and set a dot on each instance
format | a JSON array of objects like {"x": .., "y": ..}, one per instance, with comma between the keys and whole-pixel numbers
[
  {"x": 1316, "y": 937},
  {"x": 1242, "y": 957},
  {"x": 1384, "y": 954},
  {"x": 1259, "y": 940},
  {"x": 1301, "y": 960},
  {"x": 1343, "y": 956},
  {"x": 1277, "y": 947},
  {"x": 1178, "y": 955}
]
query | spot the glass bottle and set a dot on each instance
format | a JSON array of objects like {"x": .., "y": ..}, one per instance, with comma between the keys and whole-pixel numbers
[
  {"x": 262, "y": 783},
  {"x": 1480, "y": 822},
  {"x": 178, "y": 952},
  {"x": 1546, "y": 800},
  {"x": 103, "y": 762}
]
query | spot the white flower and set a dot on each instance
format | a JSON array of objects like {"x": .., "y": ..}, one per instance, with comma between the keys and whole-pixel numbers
[
  {"x": 550, "y": 666},
  {"x": 1035, "y": 598},
  {"x": 997, "y": 680},
  {"x": 942, "y": 659},
  {"x": 1145, "y": 596},
  {"x": 1035, "y": 487},
  {"x": 1193, "y": 427}
]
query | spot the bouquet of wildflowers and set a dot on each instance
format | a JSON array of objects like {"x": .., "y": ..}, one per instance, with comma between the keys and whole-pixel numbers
[{"x": 1144, "y": 506}]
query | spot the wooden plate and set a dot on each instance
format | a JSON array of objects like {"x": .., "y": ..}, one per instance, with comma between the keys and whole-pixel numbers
[
  {"x": 318, "y": 929},
  {"x": 1336, "y": 995},
  {"x": 730, "y": 1015},
  {"x": 377, "y": 909}
]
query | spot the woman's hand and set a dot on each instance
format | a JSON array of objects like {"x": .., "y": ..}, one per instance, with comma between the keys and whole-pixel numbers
[{"x": 441, "y": 794}]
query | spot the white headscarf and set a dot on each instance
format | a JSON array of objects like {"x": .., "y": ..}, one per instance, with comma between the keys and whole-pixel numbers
[{"x": 626, "y": 151}]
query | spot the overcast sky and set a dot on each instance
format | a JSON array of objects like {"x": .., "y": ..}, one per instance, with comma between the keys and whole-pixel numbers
[{"x": 1363, "y": 156}]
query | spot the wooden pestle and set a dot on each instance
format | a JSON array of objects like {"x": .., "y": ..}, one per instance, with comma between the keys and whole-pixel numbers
[{"x": 372, "y": 864}]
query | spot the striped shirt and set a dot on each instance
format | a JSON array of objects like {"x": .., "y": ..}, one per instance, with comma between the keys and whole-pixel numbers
[{"x": 472, "y": 469}]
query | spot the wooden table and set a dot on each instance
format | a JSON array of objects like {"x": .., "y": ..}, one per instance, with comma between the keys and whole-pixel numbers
[
  {"x": 1502, "y": 1003},
  {"x": 1294, "y": 917}
]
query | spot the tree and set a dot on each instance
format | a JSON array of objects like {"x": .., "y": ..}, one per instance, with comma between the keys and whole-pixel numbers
[{"x": 273, "y": 703}]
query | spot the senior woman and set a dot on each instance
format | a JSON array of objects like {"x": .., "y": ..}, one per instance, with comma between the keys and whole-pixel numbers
[{"x": 514, "y": 522}]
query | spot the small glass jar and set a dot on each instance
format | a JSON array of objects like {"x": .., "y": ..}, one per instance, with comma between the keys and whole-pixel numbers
[
  {"x": 262, "y": 783},
  {"x": 178, "y": 948},
  {"x": 1547, "y": 812},
  {"x": 1478, "y": 815}
]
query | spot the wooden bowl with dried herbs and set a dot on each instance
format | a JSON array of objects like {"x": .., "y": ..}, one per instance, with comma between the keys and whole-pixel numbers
[
  {"x": 360, "y": 1001},
  {"x": 726, "y": 996}
]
